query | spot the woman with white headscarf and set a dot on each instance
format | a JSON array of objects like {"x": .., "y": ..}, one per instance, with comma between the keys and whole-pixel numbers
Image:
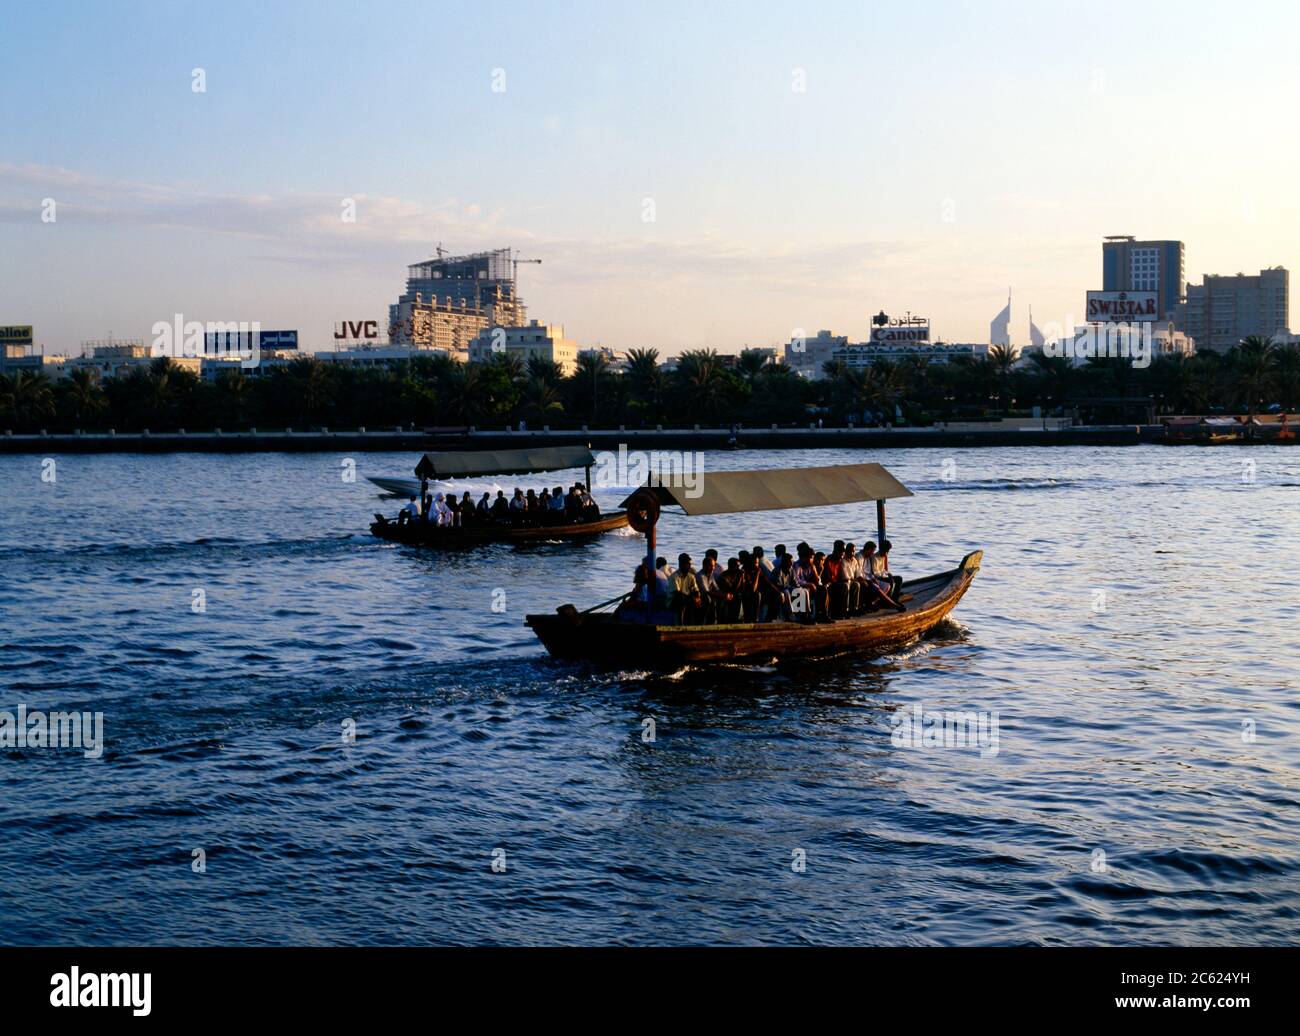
[{"x": 441, "y": 509}]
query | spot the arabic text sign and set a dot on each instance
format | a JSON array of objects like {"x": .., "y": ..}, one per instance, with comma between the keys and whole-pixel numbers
[{"x": 1107, "y": 306}]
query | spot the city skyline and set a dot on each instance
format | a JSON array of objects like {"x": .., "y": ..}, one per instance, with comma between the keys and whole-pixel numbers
[{"x": 792, "y": 177}]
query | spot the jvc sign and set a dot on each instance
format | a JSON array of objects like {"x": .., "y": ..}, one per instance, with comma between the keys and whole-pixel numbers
[
  {"x": 356, "y": 330},
  {"x": 1122, "y": 306}
]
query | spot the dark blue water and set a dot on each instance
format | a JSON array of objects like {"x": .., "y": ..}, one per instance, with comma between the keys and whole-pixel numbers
[{"x": 1145, "y": 787}]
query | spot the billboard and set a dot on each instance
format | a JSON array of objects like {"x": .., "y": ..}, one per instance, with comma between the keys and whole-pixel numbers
[
  {"x": 888, "y": 330},
  {"x": 357, "y": 331},
  {"x": 230, "y": 342},
  {"x": 16, "y": 334},
  {"x": 1122, "y": 306}
]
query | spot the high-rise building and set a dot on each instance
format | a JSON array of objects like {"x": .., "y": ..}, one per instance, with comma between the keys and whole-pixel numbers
[
  {"x": 451, "y": 298},
  {"x": 1222, "y": 311},
  {"x": 1131, "y": 265}
]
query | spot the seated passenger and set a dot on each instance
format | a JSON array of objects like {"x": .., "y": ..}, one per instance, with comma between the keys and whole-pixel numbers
[
  {"x": 484, "y": 508},
  {"x": 518, "y": 508},
  {"x": 710, "y": 593},
  {"x": 557, "y": 504},
  {"x": 809, "y": 579},
  {"x": 573, "y": 504},
  {"x": 467, "y": 513},
  {"x": 794, "y": 598},
  {"x": 685, "y": 601},
  {"x": 409, "y": 513},
  {"x": 441, "y": 514},
  {"x": 501, "y": 507},
  {"x": 895, "y": 589},
  {"x": 452, "y": 508},
  {"x": 731, "y": 583},
  {"x": 663, "y": 582},
  {"x": 530, "y": 508},
  {"x": 878, "y": 584}
]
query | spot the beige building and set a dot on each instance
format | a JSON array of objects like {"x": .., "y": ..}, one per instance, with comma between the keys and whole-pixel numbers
[
  {"x": 1222, "y": 311},
  {"x": 532, "y": 339}
]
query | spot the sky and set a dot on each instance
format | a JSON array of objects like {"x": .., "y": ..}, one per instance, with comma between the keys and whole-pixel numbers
[{"x": 703, "y": 175}]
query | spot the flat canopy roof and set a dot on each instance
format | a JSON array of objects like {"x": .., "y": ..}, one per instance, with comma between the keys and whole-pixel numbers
[
  {"x": 727, "y": 492},
  {"x": 502, "y": 462}
]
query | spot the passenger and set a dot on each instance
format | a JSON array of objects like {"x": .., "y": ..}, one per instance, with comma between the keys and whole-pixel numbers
[
  {"x": 573, "y": 504},
  {"x": 663, "y": 582},
  {"x": 441, "y": 515},
  {"x": 837, "y": 586},
  {"x": 710, "y": 591},
  {"x": 557, "y": 505},
  {"x": 730, "y": 583},
  {"x": 530, "y": 508},
  {"x": 763, "y": 563},
  {"x": 409, "y": 513},
  {"x": 483, "y": 512},
  {"x": 751, "y": 588},
  {"x": 809, "y": 579},
  {"x": 452, "y": 509},
  {"x": 686, "y": 600},
  {"x": 895, "y": 582},
  {"x": 794, "y": 598},
  {"x": 501, "y": 507},
  {"x": 878, "y": 580},
  {"x": 544, "y": 503},
  {"x": 853, "y": 569},
  {"x": 590, "y": 512},
  {"x": 467, "y": 515},
  {"x": 518, "y": 508}
]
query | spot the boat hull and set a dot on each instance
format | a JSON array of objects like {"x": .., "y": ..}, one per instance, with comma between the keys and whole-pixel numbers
[
  {"x": 427, "y": 534},
  {"x": 607, "y": 639}
]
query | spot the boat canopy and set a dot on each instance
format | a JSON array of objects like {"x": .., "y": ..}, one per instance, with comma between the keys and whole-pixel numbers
[
  {"x": 726, "y": 492},
  {"x": 503, "y": 462}
]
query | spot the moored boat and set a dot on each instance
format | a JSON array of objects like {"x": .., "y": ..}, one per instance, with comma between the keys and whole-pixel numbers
[{"x": 635, "y": 634}]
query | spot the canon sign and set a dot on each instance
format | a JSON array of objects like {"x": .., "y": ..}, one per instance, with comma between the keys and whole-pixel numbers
[{"x": 1107, "y": 306}]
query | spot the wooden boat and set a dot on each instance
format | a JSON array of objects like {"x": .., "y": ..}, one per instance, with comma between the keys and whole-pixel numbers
[
  {"x": 430, "y": 534},
  {"x": 606, "y": 638},
  {"x": 651, "y": 638},
  {"x": 473, "y": 464}
]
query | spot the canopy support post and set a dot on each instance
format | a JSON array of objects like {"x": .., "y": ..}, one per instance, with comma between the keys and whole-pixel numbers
[
  {"x": 588, "y": 479},
  {"x": 650, "y": 569},
  {"x": 880, "y": 523}
]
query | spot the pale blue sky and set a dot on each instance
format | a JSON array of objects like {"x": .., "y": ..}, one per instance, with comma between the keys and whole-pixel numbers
[{"x": 940, "y": 152}]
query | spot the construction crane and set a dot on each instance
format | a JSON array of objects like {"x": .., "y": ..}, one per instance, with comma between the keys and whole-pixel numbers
[{"x": 516, "y": 261}]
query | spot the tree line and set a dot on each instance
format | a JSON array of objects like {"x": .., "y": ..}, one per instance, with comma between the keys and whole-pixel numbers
[{"x": 702, "y": 388}]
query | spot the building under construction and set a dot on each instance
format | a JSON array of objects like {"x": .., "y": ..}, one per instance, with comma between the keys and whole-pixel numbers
[{"x": 449, "y": 300}]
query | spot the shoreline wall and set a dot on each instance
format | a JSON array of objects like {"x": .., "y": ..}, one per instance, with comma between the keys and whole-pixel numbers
[{"x": 712, "y": 439}]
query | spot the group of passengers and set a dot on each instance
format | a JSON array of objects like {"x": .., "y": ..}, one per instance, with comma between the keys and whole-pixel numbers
[
  {"x": 549, "y": 507},
  {"x": 807, "y": 586}
]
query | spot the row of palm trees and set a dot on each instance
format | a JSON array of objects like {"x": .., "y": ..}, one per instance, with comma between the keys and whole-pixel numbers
[{"x": 702, "y": 388}]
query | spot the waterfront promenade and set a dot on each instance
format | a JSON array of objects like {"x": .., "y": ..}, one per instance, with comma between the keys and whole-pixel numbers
[{"x": 413, "y": 439}]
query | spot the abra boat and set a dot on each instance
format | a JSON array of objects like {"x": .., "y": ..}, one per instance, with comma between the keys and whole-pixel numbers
[
  {"x": 633, "y": 636},
  {"x": 473, "y": 464}
]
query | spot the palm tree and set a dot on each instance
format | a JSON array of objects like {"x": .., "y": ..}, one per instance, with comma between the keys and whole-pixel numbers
[
  {"x": 1251, "y": 367},
  {"x": 646, "y": 381},
  {"x": 750, "y": 363},
  {"x": 591, "y": 370},
  {"x": 83, "y": 399},
  {"x": 26, "y": 398},
  {"x": 703, "y": 382},
  {"x": 310, "y": 384},
  {"x": 1286, "y": 374},
  {"x": 233, "y": 388},
  {"x": 544, "y": 370}
]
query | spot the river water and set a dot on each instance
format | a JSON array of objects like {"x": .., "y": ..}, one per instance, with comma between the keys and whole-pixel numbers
[{"x": 1133, "y": 631}]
